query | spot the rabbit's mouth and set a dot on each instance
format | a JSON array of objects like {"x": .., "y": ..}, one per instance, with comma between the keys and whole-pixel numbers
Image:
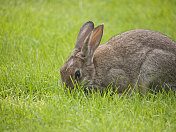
[
  {"x": 84, "y": 84},
  {"x": 81, "y": 84}
]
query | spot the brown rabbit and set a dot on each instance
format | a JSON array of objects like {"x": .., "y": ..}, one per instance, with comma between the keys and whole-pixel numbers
[{"x": 143, "y": 57}]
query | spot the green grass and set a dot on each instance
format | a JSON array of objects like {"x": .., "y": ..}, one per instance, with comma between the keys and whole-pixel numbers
[{"x": 36, "y": 37}]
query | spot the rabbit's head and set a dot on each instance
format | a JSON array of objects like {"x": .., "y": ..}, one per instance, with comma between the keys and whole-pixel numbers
[{"x": 79, "y": 66}]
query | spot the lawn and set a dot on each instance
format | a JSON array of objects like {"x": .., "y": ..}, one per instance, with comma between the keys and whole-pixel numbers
[{"x": 36, "y": 37}]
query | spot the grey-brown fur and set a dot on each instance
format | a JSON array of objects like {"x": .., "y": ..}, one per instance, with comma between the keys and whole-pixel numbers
[{"x": 142, "y": 56}]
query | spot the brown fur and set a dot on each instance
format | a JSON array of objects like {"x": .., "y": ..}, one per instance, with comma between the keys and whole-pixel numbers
[{"x": 142, "y": 56}]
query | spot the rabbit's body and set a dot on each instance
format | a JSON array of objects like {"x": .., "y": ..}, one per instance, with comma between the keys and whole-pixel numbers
[{"x": 140, "y": 56}]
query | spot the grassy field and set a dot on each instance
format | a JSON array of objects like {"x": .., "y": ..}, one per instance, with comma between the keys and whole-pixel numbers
[{"x": 36, "y": 37}]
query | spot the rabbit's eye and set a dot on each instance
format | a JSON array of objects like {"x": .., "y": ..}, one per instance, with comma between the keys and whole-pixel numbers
[{"x": 77, "y": 74}]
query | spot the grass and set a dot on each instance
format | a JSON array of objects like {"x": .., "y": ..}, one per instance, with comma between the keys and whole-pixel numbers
[{"x": 36, "y": 37}]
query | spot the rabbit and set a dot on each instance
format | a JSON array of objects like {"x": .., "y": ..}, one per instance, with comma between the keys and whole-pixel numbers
[{"x": 139, "y": 58}]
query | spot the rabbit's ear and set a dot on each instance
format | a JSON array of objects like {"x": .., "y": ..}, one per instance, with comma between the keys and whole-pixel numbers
[
  {"x": 95, "y": 37},
  {"x": 92, "y": 42},
  {"x": 85, "y": 30}
]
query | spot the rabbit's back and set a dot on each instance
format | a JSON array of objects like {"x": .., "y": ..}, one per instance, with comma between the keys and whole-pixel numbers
[
  {"x": 137, "y": 52},
  {"x": 130, "y": 41}
]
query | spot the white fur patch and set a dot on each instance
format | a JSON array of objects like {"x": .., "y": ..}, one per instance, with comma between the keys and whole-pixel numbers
[{"x": 70, "y": 63}]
